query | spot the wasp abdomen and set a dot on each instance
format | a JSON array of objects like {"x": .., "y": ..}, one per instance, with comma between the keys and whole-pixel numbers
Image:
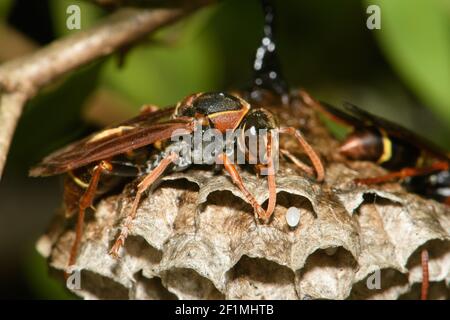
[{"x": 377, "y": 146}]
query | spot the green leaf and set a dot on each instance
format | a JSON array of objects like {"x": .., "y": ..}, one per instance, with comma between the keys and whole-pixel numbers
[
  {"x": 177, "y": 61},
  {"x": 41, "y": 283},
  {"x": 339, "y": 131},
  {"x": 5, "y": 5},
  {"x": 415, "y": 36}
]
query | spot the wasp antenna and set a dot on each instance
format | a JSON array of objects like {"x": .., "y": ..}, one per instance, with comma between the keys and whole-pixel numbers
[
  {"x": 297, "y": 162},
  {"x": 312, "y": 155},
  {"x": 271, "y": 182},
  {"x": 267, "y": 73}
]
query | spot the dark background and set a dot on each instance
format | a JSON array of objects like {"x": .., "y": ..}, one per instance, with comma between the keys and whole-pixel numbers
[{"x": 324, "y": 46}]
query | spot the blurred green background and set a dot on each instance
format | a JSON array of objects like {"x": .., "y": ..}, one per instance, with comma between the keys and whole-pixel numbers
[{"x": 401, "y": 72}]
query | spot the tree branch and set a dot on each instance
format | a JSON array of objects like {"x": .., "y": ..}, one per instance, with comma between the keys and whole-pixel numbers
[
  {"x": 22, "y": 78},
  {"x": 11, "y": 106}
]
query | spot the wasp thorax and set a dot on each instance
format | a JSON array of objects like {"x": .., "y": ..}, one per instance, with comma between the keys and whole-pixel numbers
[
  {"x": 208, "y": 103},
  {"x": 213, "y": 102}
]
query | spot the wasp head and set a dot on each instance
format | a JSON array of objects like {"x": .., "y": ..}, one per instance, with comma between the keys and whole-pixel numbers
[
  {"x": 259, "y": 119},
  {"x": 256, "y": 125}
]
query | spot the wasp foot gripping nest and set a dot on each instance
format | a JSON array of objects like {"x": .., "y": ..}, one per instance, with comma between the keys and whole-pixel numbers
[{"x": 196, "y": 238}]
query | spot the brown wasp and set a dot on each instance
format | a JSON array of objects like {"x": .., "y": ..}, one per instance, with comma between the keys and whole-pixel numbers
[
  {"x": 407, "y": 155},
  {"x": 424, "y": 167},
  {"x": 142, "y": 147}
]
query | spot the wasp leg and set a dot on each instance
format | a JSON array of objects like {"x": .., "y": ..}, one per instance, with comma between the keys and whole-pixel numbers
[
  {"x": 84, "y": 203},
  {"x": 315, "y": 159},
  {"x": 297, "y": 162},
  {"x": 447, "y": 201},
  {"x": 237, "y": 180},
  {"x": 271, "y": 182},
  {"x": 272, "y": 196},
  {"x": 142, "y": 187},
  {"x": 425, "y": 275},
  {"x": 404, "y": 173}
]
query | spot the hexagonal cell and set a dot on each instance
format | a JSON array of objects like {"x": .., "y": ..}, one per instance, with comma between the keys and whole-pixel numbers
[
  {"x": 437, "y": 291},
  {"x": 227, "y": 199},
  {"x": 327, "y": 275},
  {"x": 137, "y": 247},
  {"x": 438, "y": 261},
  {"x": 257, "y": 278},
  {"x": 188, "y": 284},
  {"x": 95, "y": 286},
  {"x": 286, "y": 200},
  {"x": 150, "y": 289},
  {"x": 385, "y": 284}
]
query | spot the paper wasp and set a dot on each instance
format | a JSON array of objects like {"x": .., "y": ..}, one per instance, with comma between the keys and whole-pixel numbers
[
  {"x": 142, "y": 148},
  {"x": 423, "y": 166}
]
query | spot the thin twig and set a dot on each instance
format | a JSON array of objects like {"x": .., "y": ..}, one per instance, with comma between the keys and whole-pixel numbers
[
  {"x": 22, "y": 78},
  {"x": 11, "y": 106}
]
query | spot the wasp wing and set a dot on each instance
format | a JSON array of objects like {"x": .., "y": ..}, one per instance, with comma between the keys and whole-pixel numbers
[
  {"x": 148, "y": 117},
  {"x": 368, "y": 119},
  {"x": 338, "y": 115},
  {"x": 108, "y": 143}
]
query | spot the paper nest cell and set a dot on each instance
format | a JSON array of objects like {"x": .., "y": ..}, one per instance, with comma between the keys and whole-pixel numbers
[{"x": 196, "y": 238}]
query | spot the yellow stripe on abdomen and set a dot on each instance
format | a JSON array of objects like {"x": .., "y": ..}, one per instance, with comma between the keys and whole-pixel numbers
[{"x": 387, "y": 148}]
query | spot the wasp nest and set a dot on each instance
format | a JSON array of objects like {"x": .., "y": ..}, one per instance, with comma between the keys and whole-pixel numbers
[{"x": 196, "y": 238}]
